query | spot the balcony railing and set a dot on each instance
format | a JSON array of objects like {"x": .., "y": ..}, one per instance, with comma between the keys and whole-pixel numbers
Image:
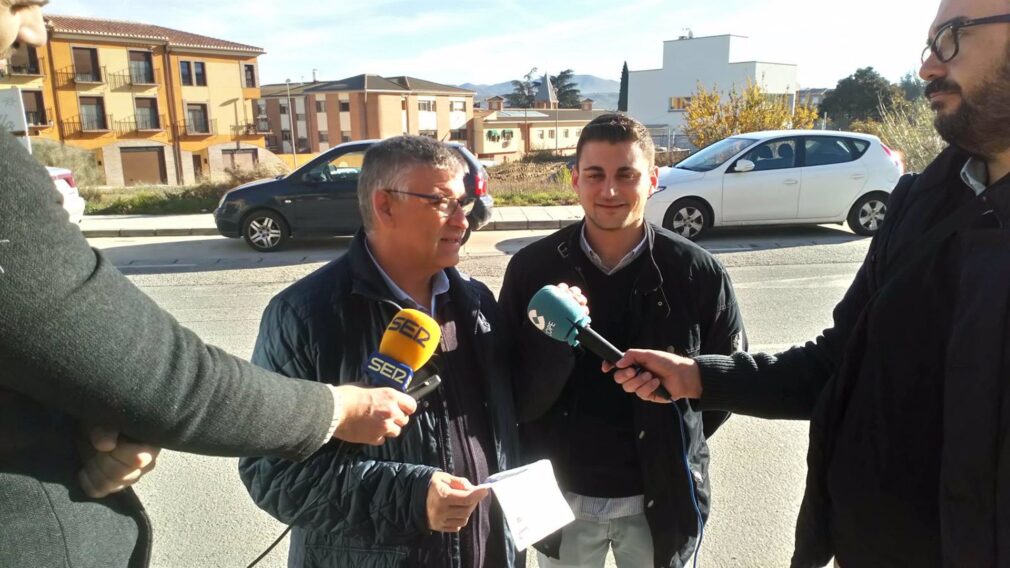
[
  {"x": 70, "y": 76},
  {"x": 26, "y": 70},
  {"x": 196, "y": 128},
  {"x": 87, "y": 124},
  {"x": 251, "y": 129},
  {"x": 134, "y": 77},
  {"x": 39, "y": 118},
  {"x": 140, "y": 123}
]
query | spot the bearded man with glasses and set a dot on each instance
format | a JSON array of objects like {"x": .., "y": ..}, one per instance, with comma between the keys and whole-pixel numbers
[
  {"x": 908, "y": 393},
  {"x": 411, "y": 503}
]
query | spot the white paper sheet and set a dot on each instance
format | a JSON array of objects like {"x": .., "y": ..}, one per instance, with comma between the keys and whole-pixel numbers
[{"x": 531, "y": 500}]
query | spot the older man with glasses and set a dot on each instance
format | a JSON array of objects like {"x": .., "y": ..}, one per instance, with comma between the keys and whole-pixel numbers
[
  {"x": 909, "y": 392},
  {"x": 413, "y": 502}
]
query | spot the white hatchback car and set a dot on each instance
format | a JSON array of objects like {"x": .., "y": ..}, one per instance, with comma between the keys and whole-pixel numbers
[
  {"x": 70, "y": 198},
  {"x": 779, "y": 177}
]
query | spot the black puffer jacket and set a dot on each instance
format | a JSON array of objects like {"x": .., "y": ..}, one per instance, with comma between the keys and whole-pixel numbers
[
  {"x": 682, "y": 302},
  {"x": 372, "y": 511},
  {"x": 906, "y": 392}
]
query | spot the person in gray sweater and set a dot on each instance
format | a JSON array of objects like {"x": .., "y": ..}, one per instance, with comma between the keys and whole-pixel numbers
[{"x": 81, "y": 346}]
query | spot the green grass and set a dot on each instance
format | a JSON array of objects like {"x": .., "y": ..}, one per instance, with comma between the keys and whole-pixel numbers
[{"x": 154, "y": 200}]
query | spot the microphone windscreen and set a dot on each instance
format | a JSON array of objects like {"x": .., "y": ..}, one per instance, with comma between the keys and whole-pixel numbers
[
  {"x": 410, "y": 338},
  {"x": 557, "y": 314}
]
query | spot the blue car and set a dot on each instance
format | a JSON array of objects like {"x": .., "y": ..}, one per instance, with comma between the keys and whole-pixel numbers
[{"x": 321, "y": 199}]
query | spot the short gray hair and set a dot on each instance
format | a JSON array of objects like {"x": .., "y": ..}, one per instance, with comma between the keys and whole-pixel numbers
[{"x": 388, "y": 163}]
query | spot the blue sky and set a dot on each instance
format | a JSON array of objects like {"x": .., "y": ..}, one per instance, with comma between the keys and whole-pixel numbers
[{"x": 490, "y": 42}]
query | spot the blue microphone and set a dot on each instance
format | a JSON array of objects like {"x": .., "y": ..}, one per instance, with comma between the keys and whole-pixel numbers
[{"x": 557, "y": 314}]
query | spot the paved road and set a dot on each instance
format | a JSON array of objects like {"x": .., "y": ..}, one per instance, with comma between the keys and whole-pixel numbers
[{"x": 787, "y": 281}]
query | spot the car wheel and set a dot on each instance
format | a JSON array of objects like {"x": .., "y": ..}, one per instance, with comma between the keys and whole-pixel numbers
[
  {"x": 265, "y": 231},
  {"x": 688, "y": 218},
  {"x": 867, "y": 214}
]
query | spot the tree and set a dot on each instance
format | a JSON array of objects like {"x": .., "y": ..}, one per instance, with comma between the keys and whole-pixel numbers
[
  {"x": 523, "y": 91},
  {"x": 622, "y": 98},
  {"x": 860, "y": 96},
  {"x": 909, "y": 129},
  {"x": 709, "y": 118},
  {"x": 567, "y": 90},
  {"x": 912, "y": 86}
]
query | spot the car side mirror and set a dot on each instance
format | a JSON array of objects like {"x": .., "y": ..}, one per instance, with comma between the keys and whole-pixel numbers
[{"x": 744, "y": 166}]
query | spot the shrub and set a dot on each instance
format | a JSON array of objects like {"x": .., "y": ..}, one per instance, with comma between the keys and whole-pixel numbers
[{"x": 81, "y": 162}]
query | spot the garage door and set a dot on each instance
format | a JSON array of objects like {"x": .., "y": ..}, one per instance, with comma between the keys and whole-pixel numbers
[
  {"x": 143, "y": 166},
  {"x": 240, "y": 159}
]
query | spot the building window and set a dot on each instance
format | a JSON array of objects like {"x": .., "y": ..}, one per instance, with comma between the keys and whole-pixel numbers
[
  {"x": 345, "y": 106},
  {"x": 459, "y": 106},
  {"x": 186, "y": 72},
  {"x": 426, "y": 106},
  {"x": 200, "y": 73},
  {"x": 321, "y": 107},
  {"x": 147, "y": 114},
  {"x": 324, "y": 137},
  {"x": 299, "y": 116},
  {"x": 459, "y": 134},
  {"x": 24, "y": 61},
  {"x": 86, "y": 68},
  {"x": 578, "y": 132},
  {"x": 284, "y": 107},
  {"x": 285, "y": 135},
  {"x": 197, "y": 121},
  {"x": 679, "y": 103},
  {"x": 428, "y": 133},
  {"x": 141, "y": 67},
  {"x": 34, "y": 108},
  {"x": 250, "y": 76},
  {"x": 540, "y": 134},
  {"x": 550, "y": 133},
  {"x": 93, "y": 114},
  {"x": 403, "y": 104},
  {"x": 345, "y": 136},
  {"x": 303, "y": 144},
  {"x": 566, "y": 133}
]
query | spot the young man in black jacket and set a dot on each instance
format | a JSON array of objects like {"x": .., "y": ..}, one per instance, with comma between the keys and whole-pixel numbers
[
  {"x": 636, "y": 475},
  {"x": 908, "y": 392},
  {"x": 81, "y": 345},
  {"x": 411, "y": 503}
]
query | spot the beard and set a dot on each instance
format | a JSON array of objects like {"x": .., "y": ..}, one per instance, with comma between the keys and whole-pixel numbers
[{"x": 979, "y": 125}]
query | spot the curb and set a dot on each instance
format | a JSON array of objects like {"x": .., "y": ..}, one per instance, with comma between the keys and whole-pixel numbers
[{"x": 207, "y": 231}]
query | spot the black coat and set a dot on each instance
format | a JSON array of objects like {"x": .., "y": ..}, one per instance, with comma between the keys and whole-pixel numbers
[
  {"x": 372, "y": 511},
  {"x": 683, "y": 302},
  {"x": 80, "y": 343},
  {"x": 915, "y": 356}
]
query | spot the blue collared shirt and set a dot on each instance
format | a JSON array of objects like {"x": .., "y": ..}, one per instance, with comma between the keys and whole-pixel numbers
[
  {"x": 439, "y": 286},
  {"x": 975, "y": 175},
  {"x": 598, "y": 262}
]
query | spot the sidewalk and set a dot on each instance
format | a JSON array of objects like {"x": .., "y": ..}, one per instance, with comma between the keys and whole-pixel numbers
[{"x": 502, "y": 219}]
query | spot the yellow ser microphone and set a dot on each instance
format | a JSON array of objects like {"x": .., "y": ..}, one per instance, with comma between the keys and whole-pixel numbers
[{"x": 409, "y": 341}]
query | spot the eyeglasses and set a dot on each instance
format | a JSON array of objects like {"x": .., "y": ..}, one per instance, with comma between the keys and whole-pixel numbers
[
  {"x": 946, "y": 43},
  {"x": 445, "y": 205}
]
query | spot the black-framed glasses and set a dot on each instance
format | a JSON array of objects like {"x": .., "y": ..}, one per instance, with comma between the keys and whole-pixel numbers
[
  {"x": 947, "y": 41},
  {"x": 445, "y": 205}
]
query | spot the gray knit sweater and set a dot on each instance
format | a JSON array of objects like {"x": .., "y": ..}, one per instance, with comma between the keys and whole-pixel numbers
[{"x": 78, "y": 342}]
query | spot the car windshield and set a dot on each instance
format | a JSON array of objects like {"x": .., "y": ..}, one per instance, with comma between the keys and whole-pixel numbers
[{"x": 711, "y": 157}]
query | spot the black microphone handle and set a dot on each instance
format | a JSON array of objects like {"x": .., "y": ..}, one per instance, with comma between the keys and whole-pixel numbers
[{"x": 597, "y": 345}]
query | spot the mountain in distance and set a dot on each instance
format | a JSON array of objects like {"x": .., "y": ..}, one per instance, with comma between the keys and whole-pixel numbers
[{"x": 603, "y": 91}]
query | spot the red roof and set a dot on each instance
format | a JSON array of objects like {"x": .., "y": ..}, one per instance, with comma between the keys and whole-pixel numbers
[{"x": 135, "y": 30}]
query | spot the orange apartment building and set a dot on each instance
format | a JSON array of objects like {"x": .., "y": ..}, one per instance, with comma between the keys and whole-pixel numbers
[
  {"x": 322, "y": 114},
  {"x": 155, "y": 105}
]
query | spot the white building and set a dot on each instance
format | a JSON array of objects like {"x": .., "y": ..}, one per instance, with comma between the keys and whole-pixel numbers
[{"x": 658, "y": 97}]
